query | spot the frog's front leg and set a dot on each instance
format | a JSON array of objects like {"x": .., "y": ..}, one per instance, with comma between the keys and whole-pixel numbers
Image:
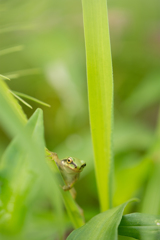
[
  {"x": 66, "y": 187},
  {"x": 71, "y": 190},
  {"x": 54, "y": 157}
]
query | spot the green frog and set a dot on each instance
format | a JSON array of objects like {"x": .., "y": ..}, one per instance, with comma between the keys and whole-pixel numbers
[{"x": 70, "y": 168}]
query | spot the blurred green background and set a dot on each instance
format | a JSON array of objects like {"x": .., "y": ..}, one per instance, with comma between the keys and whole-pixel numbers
[{"x": 51, "y": 67}]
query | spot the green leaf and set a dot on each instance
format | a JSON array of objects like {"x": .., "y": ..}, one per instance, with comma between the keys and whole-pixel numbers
[
  {"x": 100, "y": 92},
  {"x": 21, "y": 167},
  {"x": 137, "y": 175},
  {"x": 140, "y": 226},
  {"x": 151, "y": 197},
  {"x": 103, "y": 226},
  {"x": 151, "y": 202},
  {"x": 18, "y": 185},
  {"x": 18, "y": 175}
]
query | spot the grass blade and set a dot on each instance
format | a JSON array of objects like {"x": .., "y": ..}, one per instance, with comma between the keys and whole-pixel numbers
[
  {"x": 11, "y": 113},
  {"x": 4, "y": 77},
  {"x": 24, "y": 72},
  {"x": 21, "y": 100},
  {"x": 31, "y": 98},
  {"x": 10, "y": 50},
  {"x": 15, "y": 28},
  {"x": 100, "y": 91}
]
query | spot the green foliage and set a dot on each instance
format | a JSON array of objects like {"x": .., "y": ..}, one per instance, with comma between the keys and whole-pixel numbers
[{"x": 48, "y": 63}]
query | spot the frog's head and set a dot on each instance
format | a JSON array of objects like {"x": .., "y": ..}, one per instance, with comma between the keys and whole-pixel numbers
[{"x": 74, "y": 164}]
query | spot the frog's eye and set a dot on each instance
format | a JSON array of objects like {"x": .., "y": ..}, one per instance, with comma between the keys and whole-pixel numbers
[{"x": 69, "y": 160}]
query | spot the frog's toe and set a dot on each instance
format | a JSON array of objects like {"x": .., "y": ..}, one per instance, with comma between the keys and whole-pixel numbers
[
  {"x": 66, "y": 188},
  {"x": 73, "y": 193}
]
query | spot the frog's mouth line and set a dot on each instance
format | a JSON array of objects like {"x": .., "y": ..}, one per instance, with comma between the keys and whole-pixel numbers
[
  {"x": 75, "y": 169},
  {"x": 80, "y": 169},
  {"x": 74, "y": 164}
]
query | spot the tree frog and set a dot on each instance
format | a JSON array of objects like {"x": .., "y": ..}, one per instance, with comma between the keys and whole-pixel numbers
[{"x": 70, "y": 168}]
